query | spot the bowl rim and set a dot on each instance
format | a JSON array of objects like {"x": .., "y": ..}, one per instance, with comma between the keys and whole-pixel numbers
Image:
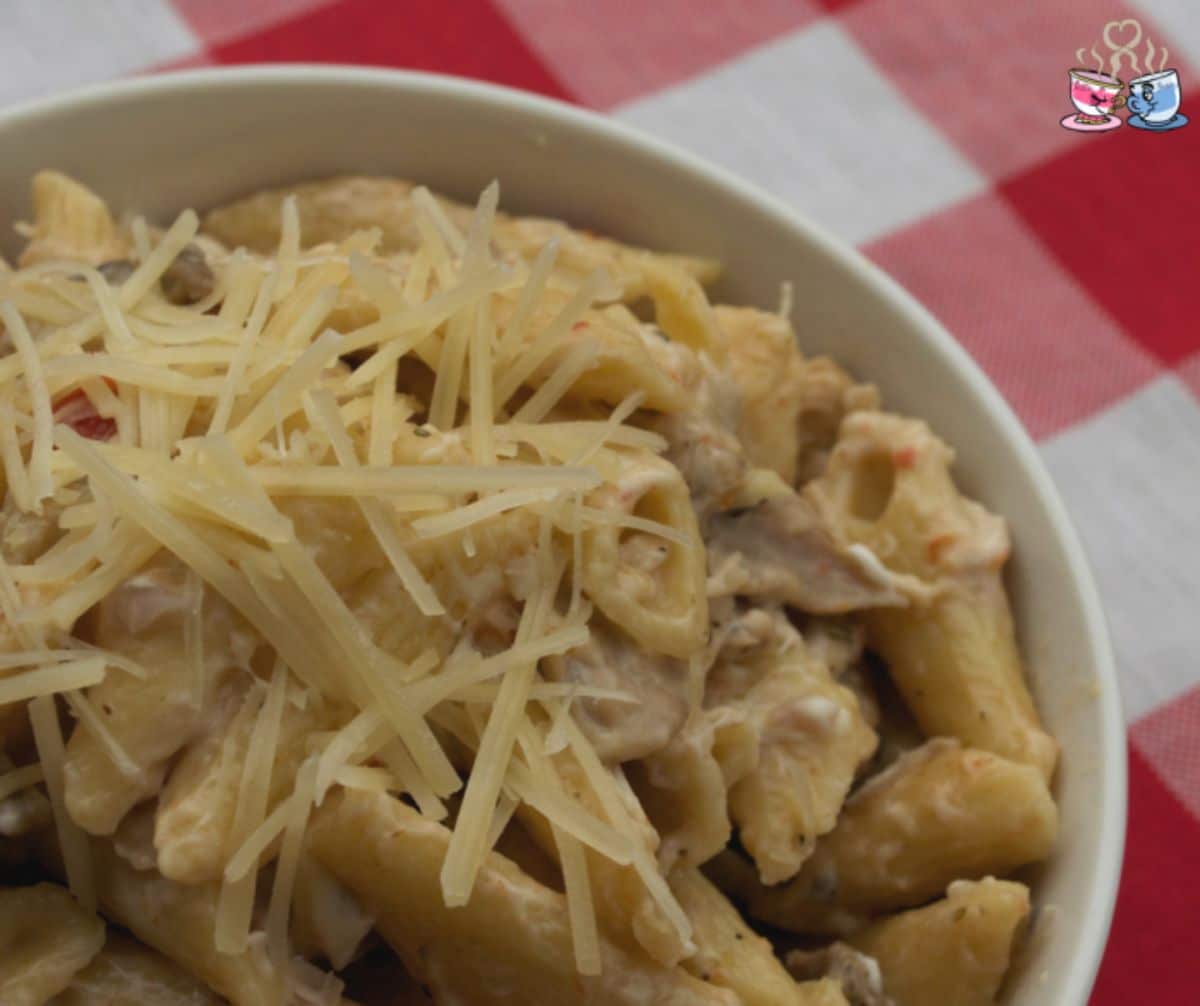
[{"x": 1083, "y": 968}]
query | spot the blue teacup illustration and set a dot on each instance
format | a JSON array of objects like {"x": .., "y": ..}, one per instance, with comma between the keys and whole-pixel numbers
[{"x": 1154, "y": 100}]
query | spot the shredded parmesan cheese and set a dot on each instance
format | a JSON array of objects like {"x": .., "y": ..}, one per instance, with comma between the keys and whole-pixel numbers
[
  {"x": 324, "y": 411},
  {"x": 289, "y": 248},
  {"x": 63, "y": 676},
  {"x": 39, "y": 394},
  {"x": 15, "y": 473},
  {"x": 76, "y": 854},
  {"x": 279, "y": 909},
  {"x": 577, "y": 362},
  {"x": 236, "y": 898},
  {"x": 156, "y": 263},
  {"x": 531, "y": 295},
  {"x": 473, "y": 513},
  {"x": 405, "y": 480},
  {"x": 206, "y": 429},
  {"x": 91, "y": 721},
  {"x": 539, "y": 350}
]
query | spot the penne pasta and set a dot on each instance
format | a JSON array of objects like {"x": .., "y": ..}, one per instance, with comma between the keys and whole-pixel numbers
[
  {"x": 177, "y": 920},
  {"x": 976, "y": 928},
  {"x": 390, "y": 608},
  {"x": 953, "y": 658},
  {"x": 729, "y": 953},
  {"x": 940, "y": 813},
  {"x": 125, "y": 973},
  {"x": 517, "y": 930},
  {"x": 45, "y": 940}
]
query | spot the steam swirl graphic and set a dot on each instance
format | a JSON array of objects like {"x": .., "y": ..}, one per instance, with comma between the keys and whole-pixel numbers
[{"x": 1122, "y": 38}]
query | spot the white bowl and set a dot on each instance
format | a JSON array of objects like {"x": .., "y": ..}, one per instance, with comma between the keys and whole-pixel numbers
[{"x": 161, "y": 143}]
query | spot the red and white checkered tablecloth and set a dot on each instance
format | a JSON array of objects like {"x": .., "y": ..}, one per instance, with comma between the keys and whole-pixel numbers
[{"x": 926, "y": 132}]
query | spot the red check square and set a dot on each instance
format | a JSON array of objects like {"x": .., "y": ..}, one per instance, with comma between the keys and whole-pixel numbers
[
  {"x": 469, "y": 38},
  {"x": 1122, "y": 215},
  {"x": 1055, "y": 354},
  {"x": 1158, "y": 916}
]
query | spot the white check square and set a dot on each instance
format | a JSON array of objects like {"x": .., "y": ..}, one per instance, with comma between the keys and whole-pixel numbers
[
  {"x": 1178, "y": 24},
  {"x": 810, "y": 118},
  {"x": 1129, "y": 478},
  {"x": 52, "y": 45}
]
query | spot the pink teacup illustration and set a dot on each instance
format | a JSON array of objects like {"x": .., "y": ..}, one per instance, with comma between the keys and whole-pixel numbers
[{"x": 1096, "y": 95}]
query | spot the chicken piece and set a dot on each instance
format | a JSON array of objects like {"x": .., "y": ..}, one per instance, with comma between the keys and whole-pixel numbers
[
  {"x": 781, "y": 550},
  {"x": 45, "y": 938},
  {"x": 657, "y": 687},
  {"x": 188, "y": 278},
  {"x": 116, "y": 271},
  {"x": 704, "y": 446}
]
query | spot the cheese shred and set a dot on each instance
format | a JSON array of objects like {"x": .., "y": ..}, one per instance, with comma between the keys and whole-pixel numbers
[
  {"x": 76, "y": 853},
  {"x": 360, "y": 477}
]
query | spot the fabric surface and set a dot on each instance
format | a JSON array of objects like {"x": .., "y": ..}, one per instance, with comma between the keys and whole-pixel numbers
[{"x": 925, "y": 132}]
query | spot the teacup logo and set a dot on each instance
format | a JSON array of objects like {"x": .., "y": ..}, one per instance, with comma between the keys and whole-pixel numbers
[
  {"x": 1095, "y": 95},
  {"x": 1154, "y": 100},
  {"x": 1096, "y": 92}
]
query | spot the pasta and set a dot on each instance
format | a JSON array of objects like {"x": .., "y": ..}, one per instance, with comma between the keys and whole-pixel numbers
[
  {"x": 938, "y": 813},
  {"x": 955, "y": 659},
  {"x": 126, "y": 972},
  {"x": 389, "y": 856},
  {"x": 387, "y": 602},
  {"x": 45, "y": 938},
  {"x": 976, "y": 927},
  {"x": 733, "y": 956}
]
